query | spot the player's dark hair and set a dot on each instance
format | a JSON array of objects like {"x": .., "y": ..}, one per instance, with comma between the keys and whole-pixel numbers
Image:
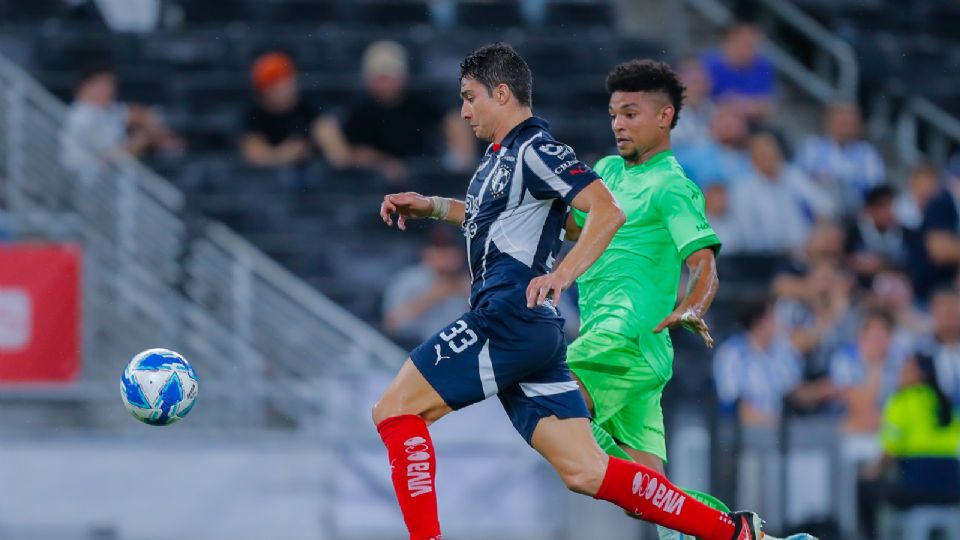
[
  {"x": 498, "y": 63},
  {"x": 648, "y": 76}
]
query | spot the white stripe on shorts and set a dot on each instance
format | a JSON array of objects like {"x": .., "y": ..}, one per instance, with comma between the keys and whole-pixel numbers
[
  {"x": 548, "y": 389},
  {"x": 488, "y": 379}
]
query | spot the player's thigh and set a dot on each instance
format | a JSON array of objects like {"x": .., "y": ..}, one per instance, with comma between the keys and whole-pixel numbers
[
  {"x": 639, "y": 424},
  {"x": 410, "y": 393},
  {"x": 451, "y": 367},
  {"x": 569, "y": 446},
  {"x": 603, "y": 365}
]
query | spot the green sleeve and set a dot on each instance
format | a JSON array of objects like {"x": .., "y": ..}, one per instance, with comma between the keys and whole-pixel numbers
[
  {"x": 581, "y": 217},
  {"x": 683, "y": 212}
]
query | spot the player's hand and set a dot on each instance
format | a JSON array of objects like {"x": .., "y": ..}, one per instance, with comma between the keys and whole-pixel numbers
[
  {"x": 545, "y": 286},
  {"x": 688, "y": 320},
  {"x": 405, "y": 205}
]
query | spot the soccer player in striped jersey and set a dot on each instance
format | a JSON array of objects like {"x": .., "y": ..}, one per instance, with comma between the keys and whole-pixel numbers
[{"x": 510, "y": 344}]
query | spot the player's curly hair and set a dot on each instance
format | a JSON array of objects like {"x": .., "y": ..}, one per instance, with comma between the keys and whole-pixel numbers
[
  {"x": 648, "y": 76},
  {"x": 498, "y": 63}
]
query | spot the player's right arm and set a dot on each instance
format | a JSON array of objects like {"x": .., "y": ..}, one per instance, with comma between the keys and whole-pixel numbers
[{"x": 410, "y": 205}]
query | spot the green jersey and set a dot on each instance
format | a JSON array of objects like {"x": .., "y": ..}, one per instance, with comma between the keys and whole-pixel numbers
[{"x": 633, "y": 285}]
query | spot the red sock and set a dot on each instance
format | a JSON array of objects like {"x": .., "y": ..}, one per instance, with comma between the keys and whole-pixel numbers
[
  {"x": 643, "y": 491},
  {"x": 414, "y": 465}
]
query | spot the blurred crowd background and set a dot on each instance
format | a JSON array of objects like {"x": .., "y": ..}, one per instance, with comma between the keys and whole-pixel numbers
[{"x": 287, "y": 120}]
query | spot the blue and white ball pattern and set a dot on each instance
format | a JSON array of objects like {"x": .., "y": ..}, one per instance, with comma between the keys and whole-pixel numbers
[{"x": 159, "y": 387}]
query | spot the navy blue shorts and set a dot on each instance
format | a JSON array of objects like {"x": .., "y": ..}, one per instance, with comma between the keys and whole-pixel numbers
[{"x": 504, "y": 349}]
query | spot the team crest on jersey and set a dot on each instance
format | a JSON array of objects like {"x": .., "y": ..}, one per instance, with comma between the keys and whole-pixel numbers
[{"x": 498, "y": 184}]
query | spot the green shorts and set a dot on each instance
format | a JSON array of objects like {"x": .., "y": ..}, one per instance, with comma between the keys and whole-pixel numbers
[{"x": 624, "y": 387}]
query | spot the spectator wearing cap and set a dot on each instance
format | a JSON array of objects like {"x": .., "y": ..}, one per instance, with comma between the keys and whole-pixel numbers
[
  {"x": 390, "y": 124},
  {"x": 740, "y": 74},
  {"x": 756, "y": 369},
  {"x": 100, "y": 129},
  {"x": 841, "y": 160},
  {"x": 875, "y": 240},
  {"x": 428, "y": 295},
  {"x": 282, "y": 129},
  {"x": 776, "y": 205},
  {"x": 940, "y": 236},
  {"x": 867, "y": 370}
]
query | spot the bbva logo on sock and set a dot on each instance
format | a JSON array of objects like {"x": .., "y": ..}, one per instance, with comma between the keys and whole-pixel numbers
[{"x": 658, "y": 494}]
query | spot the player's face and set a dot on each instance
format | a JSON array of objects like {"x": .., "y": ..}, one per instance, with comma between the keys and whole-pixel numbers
[
  {"x": 480, "y": 109},
  {"x": 640, "y": 122}
]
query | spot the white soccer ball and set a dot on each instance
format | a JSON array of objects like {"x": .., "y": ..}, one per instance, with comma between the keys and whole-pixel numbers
[{"x": 159, "y": 387}]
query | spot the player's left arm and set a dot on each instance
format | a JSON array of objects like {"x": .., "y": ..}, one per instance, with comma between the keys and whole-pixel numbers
[
  {"x": 682, "y": 210},
  {"x": 703, "y": 285}
]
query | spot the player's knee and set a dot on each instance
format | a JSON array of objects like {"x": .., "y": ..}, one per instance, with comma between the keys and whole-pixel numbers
[
  {"x": 389, "y": 406},
  {"x": 582, "y": 477}
]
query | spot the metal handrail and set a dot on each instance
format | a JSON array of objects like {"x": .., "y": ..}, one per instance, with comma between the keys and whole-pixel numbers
[
  {"x": 942, "y": 129},
  {"x": 159, "y": 274}
]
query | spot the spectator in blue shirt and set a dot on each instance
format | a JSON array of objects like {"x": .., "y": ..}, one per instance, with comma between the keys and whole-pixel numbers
[
  {"x": 740, "y": 74},
  {"x": 841, "y": 160},
  {"x": 757, "y": 369}
]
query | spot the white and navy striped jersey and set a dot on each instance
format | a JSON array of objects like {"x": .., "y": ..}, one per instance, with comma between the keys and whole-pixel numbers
[{"x": 516, "y": 206}]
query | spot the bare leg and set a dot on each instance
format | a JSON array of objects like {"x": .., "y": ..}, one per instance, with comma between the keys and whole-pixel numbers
[{"x": 410, "y": 393}]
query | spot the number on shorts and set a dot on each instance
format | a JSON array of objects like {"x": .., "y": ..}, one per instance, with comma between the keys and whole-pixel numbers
[{"x": 458, "y": 328}]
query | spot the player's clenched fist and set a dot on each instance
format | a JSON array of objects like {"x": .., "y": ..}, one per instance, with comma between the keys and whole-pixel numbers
[
  {"x": 405, "y": 205},
  {"x": 545, "y": 286}
]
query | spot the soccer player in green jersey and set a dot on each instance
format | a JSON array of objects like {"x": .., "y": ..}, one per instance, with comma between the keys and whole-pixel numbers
[{"x": 628, "y": 298}]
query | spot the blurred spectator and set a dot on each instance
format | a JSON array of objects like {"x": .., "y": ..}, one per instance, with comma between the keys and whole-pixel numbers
[
  {"x": 940, "y": 236},
  {"x": 100, "y": 129},
  {"x": 891, "y": 291},
  {"x": 815, "y": 309},
  {"x": 920, "y": 438},
  {"x": 842, "y": 161},
  {"x": 756, "y": 369},
  {"x": 741, "y": 75},
  {"x": 776, "y": 205},
  {"x": 693, "y": 126},
  {"x": 390, "y": 124},
  {"x": 721, "y": 218},
  {"x": 825, "y": 242},
  {"x": 866, "y": 371},
  {"x": 282, "y": 129},
  {"x": 721, "y": 157},
  {"x": 876, "y": 240},
  {"x": 922, "y": 186},
  {"x": 426, "y": 296},
  {"x": 944, "y": 342}
]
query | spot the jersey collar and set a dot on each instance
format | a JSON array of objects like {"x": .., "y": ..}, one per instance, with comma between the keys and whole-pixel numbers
[
  {"x": 533, "y": 121},
  {"x": 655, "y": 159}
]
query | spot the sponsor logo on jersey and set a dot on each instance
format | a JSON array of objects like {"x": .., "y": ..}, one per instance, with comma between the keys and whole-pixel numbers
[
  {"x": 419, "y": 475},
  {"x": 561, "y": 151},
  {"x": 660, "y": 495}
]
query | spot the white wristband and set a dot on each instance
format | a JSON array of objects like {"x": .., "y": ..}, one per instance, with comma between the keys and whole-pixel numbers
[{"x": 441, "y": 207}]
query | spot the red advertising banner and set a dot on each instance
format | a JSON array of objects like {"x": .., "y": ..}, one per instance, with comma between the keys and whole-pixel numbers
[{"x": 39, "y": 313}]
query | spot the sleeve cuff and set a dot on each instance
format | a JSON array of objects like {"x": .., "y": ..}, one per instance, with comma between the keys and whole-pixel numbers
[
  {"x": 710, "y": 241},
  {"x": 575, "y": 190}
]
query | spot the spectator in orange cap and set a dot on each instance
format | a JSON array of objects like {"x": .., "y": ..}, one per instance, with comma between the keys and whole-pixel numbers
[{"x": 280, "y": 128}]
